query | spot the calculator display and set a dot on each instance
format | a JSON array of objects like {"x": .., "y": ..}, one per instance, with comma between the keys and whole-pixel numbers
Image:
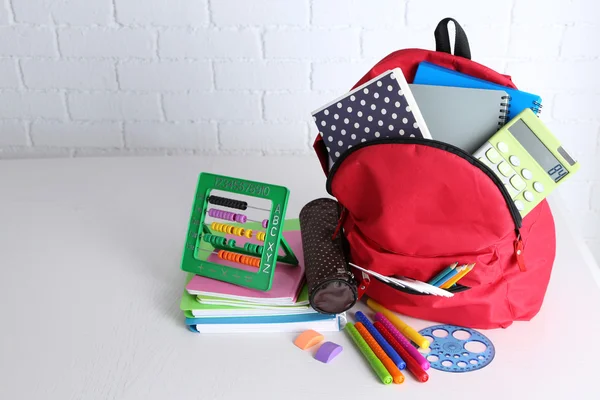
[{"x": 538, "y": 150}]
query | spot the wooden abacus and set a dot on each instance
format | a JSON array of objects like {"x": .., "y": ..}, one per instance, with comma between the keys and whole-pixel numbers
[{"x": 201, "y": 234}]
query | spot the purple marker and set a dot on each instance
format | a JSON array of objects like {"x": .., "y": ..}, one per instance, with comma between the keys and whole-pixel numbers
[{"x": 403, "y": 341}]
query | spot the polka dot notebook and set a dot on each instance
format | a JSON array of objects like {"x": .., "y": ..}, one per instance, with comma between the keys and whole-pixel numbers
[{"x": 382, "y": 108}]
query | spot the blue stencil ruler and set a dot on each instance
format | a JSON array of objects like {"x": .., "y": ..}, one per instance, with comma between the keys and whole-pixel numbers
[{"x": 448, "y": 352}]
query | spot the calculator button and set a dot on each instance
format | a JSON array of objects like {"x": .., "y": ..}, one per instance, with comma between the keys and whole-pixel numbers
[
  {"x": 505, "y": 169},
  {"x": 528, "y": 195},
  {"x": 538, "y": 187},
  {"x": 517, "y": 182},
  {"x": 514, "y": 160},
  {"x": 493, "y": 156},
  {"x": 526, "y": 174},
  {"x": 503, "y": 147},
  {"x": 520, "y": 205}
]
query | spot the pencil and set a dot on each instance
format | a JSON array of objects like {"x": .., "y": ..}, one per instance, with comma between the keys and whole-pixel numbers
[
  {"x": 364, "y": 348},
  {"x": 458, "y": 277},
  {"x": 439, "y": 276},
  {"x": 450, "y": 275}
]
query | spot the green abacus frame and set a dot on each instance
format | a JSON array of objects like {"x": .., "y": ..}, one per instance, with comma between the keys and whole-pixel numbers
[{"x": 263, "y": 278}]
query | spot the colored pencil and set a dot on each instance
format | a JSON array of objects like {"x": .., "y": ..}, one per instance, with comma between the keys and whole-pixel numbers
[
  {"x": 458, "y": 277},
  {"x": 451, "y": 275},
  {"x": 439, "y": 276}
]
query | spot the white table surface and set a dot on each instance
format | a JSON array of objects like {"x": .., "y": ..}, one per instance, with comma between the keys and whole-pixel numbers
[{"x": 90, "y": 287}]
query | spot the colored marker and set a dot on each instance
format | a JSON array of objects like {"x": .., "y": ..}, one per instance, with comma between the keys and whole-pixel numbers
[
  {"x": 397, "y": 376},
  {"x": 439, "y": 276},
  {"x": 411, "y": 364},
  {"x": 410, "y": 349},
  {"x": 451, "y": 275},
  {"x": 458, "y": 277},
  {"x": 366, "y": 351},
  {"x": 389, "y": 350},
  {"x": 406, "y": 330}
]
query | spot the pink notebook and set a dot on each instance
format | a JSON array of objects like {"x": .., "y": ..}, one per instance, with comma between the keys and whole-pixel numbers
[{"x": 287, "y": 282}]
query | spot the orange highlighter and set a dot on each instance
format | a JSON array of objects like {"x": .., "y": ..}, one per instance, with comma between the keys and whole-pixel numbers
[{"x": 397, "y": 376}]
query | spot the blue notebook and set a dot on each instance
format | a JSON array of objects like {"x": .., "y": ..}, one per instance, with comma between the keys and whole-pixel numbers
[
  {"x": 268, "y": 324},
  {"x": 431, "y": 74},
  {"x": 266, "y": 319}
]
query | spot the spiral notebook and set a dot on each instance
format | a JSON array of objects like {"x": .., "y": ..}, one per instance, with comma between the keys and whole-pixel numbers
[
  {"x": 431, "y": 74},
  {"x": 384, "y": 107},
  {"x": 465, "y": 118}
]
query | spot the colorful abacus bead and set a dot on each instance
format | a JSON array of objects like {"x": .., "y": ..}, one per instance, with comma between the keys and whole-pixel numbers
[
  {"x": 215, "y": 240},
  {"x": 239, "y": 258},
  {"x": 265, "y": 223},
  {"x": 227, "y": 215},
  {"x": 222, "y": 201}
]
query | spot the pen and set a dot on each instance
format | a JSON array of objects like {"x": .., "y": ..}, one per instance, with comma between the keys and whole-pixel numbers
[
  {"x": 366, "y": 351},
  {"x": 387, "y": 347},
  {"x": 406, "y": 330}
]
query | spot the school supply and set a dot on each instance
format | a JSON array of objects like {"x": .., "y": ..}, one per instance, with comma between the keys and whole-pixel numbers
[
  {"x": 411, "y": 364},
  {"x": 406, "y": 330},
  {"x": 308, "y": 339},
  {"x": 288, "y": 281},
  {"x": 192, "y": 308},
  {"x": 380, "y": 108},
  {"x": 529, "y": 160},
  {"x": 434, "y": 281},
  {"x": 300, "y": 303},
  {"x": 376, "y": 364},
  {"x": 251, "y": 265},
  {"x": 458, "y": 277},
  {"x": 289, "y": 324},
  {"x": 450, "y": 275},
  {"x": 328, "y": 351},
  {"x": 463, "y": 117},
  {"x": 254, "y": 310},
  {"x": 403, "y": 282},
  {"x": 403, "y": 341},
  {"x": 331, "y": 286},
  {"x": 397, "y": 376},
  {"x": 414, "y": 206},
  {"x": 458, "y": 349},
  {"x": 431, "y": 74},
  {"x": 389, "y": 350}
]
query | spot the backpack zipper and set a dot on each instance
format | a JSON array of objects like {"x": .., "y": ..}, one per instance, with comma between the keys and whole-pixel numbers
[{"x": 512, "y": 208}]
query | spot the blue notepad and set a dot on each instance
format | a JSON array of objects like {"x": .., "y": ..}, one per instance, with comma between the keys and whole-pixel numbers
[
  {"x": 267, "y": 319},
  {"x": 431, "y": 74}
]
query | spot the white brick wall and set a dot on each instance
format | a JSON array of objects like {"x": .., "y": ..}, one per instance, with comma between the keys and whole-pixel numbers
[{"x": 123, "y": 77}]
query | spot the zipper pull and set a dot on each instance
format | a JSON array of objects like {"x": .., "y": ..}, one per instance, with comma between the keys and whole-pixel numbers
[
  {"x": 340, "y": 223},
  {"x": 363, "y": 285},
  {"x": 519, "y": 248}
]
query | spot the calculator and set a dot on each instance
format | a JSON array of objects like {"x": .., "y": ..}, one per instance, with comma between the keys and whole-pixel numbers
[{"x": 529, "y": 160}]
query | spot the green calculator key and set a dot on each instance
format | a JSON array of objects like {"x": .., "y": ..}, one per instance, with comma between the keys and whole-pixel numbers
[
  {"x": 517, "y": 182},
  {"x": 505, "y": 169},
  {"x": 493, "y": 156}
]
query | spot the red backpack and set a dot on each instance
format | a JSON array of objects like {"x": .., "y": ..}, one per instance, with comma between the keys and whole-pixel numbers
[{"x": 411, "y": 207}]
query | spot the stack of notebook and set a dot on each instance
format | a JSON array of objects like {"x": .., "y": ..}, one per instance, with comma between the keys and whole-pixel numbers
[{"x": 212, "y": 306}]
